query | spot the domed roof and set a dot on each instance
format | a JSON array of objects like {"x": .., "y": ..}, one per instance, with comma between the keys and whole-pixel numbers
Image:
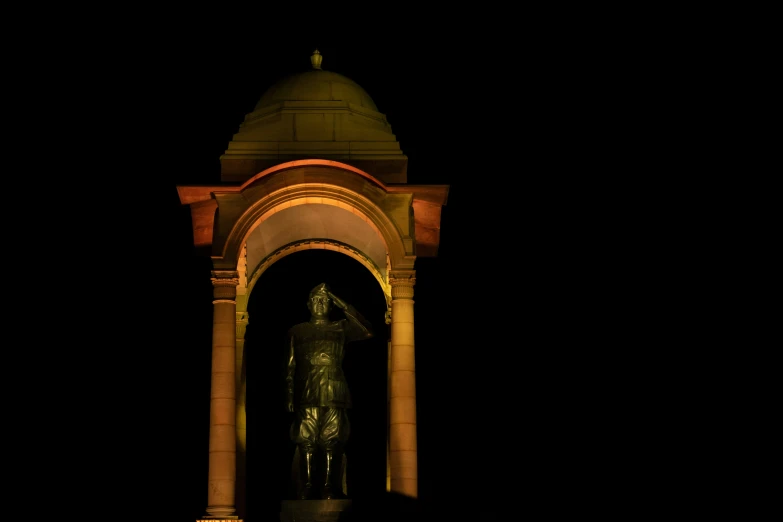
[
  {"x": 317, "y": 85},
  {"x": 315, "y": 114}
]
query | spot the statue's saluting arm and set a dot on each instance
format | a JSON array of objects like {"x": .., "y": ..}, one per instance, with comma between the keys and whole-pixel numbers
[{"x": 357, "y": 327}]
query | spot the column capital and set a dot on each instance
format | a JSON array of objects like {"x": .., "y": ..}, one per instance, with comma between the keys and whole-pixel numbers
[
  {"x": 225, "y": 284},
  {"x": 225, "y": 277},
  {"x": 402, "y": 282}
]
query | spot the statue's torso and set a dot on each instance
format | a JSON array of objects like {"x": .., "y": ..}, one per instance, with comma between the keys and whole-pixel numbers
[{"x": 319, "y": 352}]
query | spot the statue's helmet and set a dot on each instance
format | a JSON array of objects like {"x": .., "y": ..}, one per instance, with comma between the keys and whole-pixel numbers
[{"x": 323, "y": 288}]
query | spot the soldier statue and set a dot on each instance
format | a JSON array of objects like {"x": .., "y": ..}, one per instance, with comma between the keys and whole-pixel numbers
[{"x": 318, "y": 393}]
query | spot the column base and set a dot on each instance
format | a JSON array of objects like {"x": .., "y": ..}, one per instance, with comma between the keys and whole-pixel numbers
[{"x": 220, "y": 519}]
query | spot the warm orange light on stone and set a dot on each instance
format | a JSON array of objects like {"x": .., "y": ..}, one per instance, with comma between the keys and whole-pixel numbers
[
  {"x": 314, "y": 163},
  {"x": 398, "y": 224},
  {"x": 403, "y": 458},
  {"x": 427, "y": 202},
  {"x": 318, "y": 244},
  {"x": 221, "y": 490}
]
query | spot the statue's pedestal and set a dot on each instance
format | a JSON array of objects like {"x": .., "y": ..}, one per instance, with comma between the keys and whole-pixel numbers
[{"x": 315, "y": 511}]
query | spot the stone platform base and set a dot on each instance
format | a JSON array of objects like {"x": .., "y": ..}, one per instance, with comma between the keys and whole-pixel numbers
[
  {"x": 219, "y": 520},
  {"x": 315, "y": 511}
]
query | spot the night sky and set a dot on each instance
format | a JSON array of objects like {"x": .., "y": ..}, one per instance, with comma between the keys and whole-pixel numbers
[{"x": 509, "y": 317}]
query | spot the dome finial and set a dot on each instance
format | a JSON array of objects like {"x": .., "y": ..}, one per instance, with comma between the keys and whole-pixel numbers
[{"x": 316, "y": 59}]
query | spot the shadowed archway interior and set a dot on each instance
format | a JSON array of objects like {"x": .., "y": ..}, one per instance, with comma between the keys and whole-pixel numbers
[{"x": 277, "y": 302}]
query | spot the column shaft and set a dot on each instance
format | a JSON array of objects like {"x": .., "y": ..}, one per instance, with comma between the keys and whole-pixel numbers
[
  {"x": 221, "y": 492},
  {"x": 402, "y": 398}
]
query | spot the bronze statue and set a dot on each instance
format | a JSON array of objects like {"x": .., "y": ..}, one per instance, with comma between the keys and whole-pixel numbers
[{"x": 318, "y": 392}]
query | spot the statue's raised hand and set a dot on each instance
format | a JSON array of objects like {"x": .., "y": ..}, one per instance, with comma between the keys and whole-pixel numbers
[{"x": 339, "y": 303}]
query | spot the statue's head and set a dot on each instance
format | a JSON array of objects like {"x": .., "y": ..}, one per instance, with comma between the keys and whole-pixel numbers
[{"x": 319, "y": 302}]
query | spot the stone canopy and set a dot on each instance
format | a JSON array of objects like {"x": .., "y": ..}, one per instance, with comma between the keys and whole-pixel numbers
[{"x": 313, "y": 166}]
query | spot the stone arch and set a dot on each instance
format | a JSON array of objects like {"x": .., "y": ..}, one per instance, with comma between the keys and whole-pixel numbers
[
  {"x": 311, "y": 163},
  {"x": 337, "y": 223},
  {"x": 287, "y": 193},
  {"x": 323, "y": 244}
]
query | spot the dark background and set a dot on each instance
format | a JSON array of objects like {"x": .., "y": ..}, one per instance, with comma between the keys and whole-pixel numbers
[{"x": 519, "y": 320}]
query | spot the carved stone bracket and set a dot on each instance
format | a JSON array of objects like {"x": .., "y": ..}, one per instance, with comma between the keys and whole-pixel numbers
[
  {"x": 242, "y": 320},
  {"x": 402, "y": 282}
]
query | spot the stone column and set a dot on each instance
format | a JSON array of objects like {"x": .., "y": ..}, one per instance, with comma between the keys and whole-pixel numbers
[
  {"x": 402, "y": 395},
  {"x": 222, "y": 415}
]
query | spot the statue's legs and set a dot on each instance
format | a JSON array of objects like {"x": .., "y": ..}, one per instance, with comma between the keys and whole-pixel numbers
[
  {"x": 306, "y": 463},
  {"x": 335, "y": 429},
  {"x": 333, "y": 488},
  {"x": 327, "y": 491},
  {"x": 303, "y": 434},
  {"x": 326, "y": 429}
]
